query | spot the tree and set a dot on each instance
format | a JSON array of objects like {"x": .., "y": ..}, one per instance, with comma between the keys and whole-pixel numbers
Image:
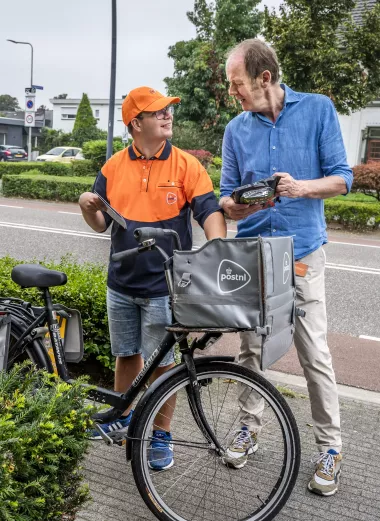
[
  {"x": 60, "y": 96},
  {"x": 85, "y": 124},
  {"x": 9, "y": 103},
  {"x": 50, "y": 138},
  {"x": 321, "y": 49},
  {"x": 199, "y": 64}
]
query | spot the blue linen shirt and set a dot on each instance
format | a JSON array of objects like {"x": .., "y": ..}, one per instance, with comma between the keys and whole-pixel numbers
[{"x": 306, "y": 142}]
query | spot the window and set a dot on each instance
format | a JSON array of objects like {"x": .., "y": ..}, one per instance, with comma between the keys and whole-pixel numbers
[
  {"x": 97, "y": 111},
  {"x": 3, "y": 139},
  {"x": 68, "y": 153},
  {"x": 373, "y": 145},
  {"x": 68, "y": 112}
]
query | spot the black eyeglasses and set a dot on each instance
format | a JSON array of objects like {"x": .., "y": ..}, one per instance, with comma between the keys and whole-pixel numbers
[{"x": 160, "y": 114}]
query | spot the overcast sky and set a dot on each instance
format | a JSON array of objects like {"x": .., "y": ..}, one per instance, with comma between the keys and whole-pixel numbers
[{"x": 72, "y": 45}]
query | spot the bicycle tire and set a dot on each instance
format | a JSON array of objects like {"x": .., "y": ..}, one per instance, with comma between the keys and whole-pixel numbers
[
  {"x": 34, "y": 351},
  {"x": 148, "y": 483}
]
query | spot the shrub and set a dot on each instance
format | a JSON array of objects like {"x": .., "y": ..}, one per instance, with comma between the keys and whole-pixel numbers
[
  {"x": 355, "y": 215},
  {"x": 214, "y": 174},
  {"x": 42, "y": 441},
  {"x": 34, "y": 185},
  {"x": 84, "y": 291},
  {"x": 367, "y": 179},
  {"x": 217, "y": 162},
  {"x": 17, "y": 168},
  {"x": 203, "y": 156},
  {"x": 83, "y": 168},
  {"x": 55, "y": 168},
  {"x": 96, "y": 152}
]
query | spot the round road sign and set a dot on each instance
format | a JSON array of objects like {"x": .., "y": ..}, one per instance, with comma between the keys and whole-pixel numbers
[
  {"x": 30, "y": 104},
  {"x": 29, "y": 118}
]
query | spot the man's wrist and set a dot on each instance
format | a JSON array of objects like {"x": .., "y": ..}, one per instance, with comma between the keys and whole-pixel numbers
[{"x": 222, "y": 200}]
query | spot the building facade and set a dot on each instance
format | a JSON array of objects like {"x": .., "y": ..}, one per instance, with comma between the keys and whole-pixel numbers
[
  {"x": 13, "y": 132},
  {"x": 65, "y": 110}
]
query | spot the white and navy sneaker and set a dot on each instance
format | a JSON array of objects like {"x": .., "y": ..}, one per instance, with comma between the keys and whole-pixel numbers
[
  {"x": 160, "y": 455},
  {"x": 119, "y": 426}
]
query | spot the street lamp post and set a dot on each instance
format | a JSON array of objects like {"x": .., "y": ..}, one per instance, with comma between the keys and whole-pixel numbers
[
  {"x": 31, "y": 84},
  {"x": 111, "y": 114}
]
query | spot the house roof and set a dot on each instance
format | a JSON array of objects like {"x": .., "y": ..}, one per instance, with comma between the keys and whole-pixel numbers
[
  {"x": 361, "y": 7},
  {"x": 76, "y": 101}
]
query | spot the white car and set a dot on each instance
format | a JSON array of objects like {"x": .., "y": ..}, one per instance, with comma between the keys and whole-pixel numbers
[{"x": 62, "y": 154}]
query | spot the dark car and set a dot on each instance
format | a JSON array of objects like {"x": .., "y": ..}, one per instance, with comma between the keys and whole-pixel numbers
[{"x": 12, "y": 153}]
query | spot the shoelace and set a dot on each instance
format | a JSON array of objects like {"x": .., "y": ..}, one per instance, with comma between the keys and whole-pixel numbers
[
  {"x": 241, "y": 438},
  {"x": 326, "y": 462}
]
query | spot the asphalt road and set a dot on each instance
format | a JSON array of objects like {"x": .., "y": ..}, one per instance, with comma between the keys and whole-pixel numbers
[{"x": 40, "y": 230}]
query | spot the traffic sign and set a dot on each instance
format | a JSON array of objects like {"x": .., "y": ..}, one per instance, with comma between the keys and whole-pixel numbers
[
  {"x": 29, "y": 119},
  {"x": 30, "y": 90},
  {"x": 30, "y": 104},
  {"x": 37, "y": 87}
]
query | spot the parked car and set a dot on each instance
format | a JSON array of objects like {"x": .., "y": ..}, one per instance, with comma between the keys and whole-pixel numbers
[
  {"x": 12, "y": 153},
  {"x": 62, "y": 154}
]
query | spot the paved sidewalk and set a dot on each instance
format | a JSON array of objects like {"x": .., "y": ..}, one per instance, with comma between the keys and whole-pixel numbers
[{"x": 115, "y": 497}]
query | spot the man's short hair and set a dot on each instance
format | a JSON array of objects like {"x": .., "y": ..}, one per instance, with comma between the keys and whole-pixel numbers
[{"x": 258, "y": 57}]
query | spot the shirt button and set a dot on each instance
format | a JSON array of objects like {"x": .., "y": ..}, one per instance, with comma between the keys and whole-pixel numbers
[
  {"x": 143, "y": 167},
  {"x": 144, "y": 180},
  {"x": 274, "y": 126},
  {"x": 274, "y": 209},
  {"x": 274, "y": 230},
  {"x": 274, "y": 168},
  {"x": 142, "y": 157},
  {"x": 274, "y": 148}
]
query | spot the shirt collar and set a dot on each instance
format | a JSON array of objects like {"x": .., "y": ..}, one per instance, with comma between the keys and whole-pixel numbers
[
  {"x": 290, "y": 95},
  {"x": 162, "y": 154}
]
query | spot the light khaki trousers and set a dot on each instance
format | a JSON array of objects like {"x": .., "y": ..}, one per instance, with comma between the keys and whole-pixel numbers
[{"x": 314, "y": 356}]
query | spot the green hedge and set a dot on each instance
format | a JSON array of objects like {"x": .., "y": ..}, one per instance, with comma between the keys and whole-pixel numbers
[
  {"x": 17, "y": 168},
  {"x": 354, "y": 215},
  {"x": 42, "y": 442},
  {"x": 82, "y": 168},
  {"x": 85, "y": 291},
  {"x": 33, "y": 185}
]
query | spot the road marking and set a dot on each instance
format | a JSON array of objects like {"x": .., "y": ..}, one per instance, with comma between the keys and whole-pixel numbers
[
  {"x": 365, "y": 337},
  {"x": 71, "y": 213},
  {"x": 60, "y": 231},
  {"x": 10, "y": 206},
  {"x": 336, "y": 242},
  {"x": 370, "y": 271}
]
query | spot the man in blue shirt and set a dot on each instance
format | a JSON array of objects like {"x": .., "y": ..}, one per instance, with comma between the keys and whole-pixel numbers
[{"x": 297, "y": 137}]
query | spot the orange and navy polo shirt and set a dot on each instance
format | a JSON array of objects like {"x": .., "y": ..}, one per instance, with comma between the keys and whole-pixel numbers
[{"x": 161, "y": 192}]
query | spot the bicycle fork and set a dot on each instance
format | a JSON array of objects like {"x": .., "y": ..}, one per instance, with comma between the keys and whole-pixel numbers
[{"x": 194, "y": 398}]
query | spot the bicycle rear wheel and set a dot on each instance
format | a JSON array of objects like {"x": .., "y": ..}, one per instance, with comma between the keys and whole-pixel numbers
[
  {"x": 34, "y": 351},
  {"x": 200, "y": 486}
]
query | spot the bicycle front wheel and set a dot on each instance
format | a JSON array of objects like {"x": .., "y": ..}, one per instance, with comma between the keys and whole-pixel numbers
[{"x": 200, "y": 486}]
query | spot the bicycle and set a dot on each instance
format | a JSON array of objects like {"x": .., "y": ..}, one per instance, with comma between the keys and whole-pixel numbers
[{"x": 210, "y": 394}]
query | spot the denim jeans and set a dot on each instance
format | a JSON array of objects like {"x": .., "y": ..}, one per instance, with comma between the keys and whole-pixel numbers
[{"x": 137, "y": 325}]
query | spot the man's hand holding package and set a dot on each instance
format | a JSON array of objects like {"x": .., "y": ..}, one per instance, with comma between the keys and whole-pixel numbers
[{"x": 288, "y": 186}]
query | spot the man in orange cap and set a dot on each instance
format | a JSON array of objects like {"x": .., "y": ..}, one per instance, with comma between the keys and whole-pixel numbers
[{"x": 150, "y": 183}]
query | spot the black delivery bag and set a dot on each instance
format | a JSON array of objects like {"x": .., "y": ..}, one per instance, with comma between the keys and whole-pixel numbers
[{"x": 243, "y": 284}]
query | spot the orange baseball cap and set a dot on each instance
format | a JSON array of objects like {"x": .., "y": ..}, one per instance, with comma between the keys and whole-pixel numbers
[{"x": 144, "y": 99}]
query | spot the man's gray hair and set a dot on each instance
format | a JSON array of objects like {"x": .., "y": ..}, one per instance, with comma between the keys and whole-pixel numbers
[{"x": 258, "y": 57}]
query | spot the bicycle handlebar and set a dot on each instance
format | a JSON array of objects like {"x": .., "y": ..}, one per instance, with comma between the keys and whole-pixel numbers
[
  {"x": 124, "y": 254},
  {"x": 143, "y": 234},
  {"x": 147, "y": 232}
]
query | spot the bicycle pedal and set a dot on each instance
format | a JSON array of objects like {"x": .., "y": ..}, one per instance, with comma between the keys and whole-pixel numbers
[{"x": 113, "y": 438}]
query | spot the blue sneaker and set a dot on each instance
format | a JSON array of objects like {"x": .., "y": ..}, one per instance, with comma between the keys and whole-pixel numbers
[
  {"x": 161, "y": 451},
  {"x": 109, "y": 428}
]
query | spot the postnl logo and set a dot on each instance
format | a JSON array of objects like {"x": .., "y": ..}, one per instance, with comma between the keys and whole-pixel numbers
[
  {"x": 232, "y": 276},
  {"x": 171, "y": 198},
  {"x": 286, "y": 268}
]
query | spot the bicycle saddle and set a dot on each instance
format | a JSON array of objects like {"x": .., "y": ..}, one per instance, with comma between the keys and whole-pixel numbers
[{"x": 35, "y": 275}]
